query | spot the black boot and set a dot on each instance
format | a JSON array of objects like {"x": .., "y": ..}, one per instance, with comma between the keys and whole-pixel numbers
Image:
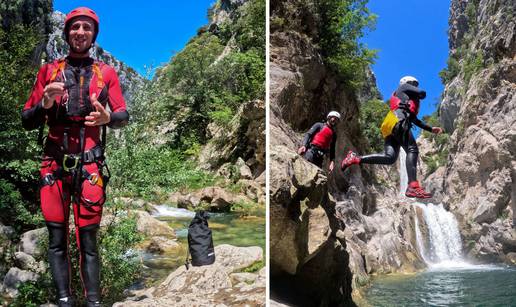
[
  {"x": 66, "y": 302},
  {"x": 90, "y": 264},
  {"x": 58, "y": 260}
]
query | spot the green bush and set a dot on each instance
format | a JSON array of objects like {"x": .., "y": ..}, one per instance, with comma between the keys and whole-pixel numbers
[
  {"x": 452, "y": 70},
  {"x": 342, "y": 24},
  {"x": 472, "y": 64},
  {"x": 372, "y": 114},
  {"x": 441, "y": 142},
  {"x": 18, "y": 148},
  {"x": 152, "y": 172},
  {"x": 35, "y": 293}
]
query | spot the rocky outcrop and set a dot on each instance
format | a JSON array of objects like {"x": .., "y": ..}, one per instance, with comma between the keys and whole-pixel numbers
[
  {"x": 25, "y": 259},
  {"x": 244, "y": 139},
  {"x": 214, "y": 199},
  {"x": 479, "y": 111},
  {"x": 219, "y": 284}
]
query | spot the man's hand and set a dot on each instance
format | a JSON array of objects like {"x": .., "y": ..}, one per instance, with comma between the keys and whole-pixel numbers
[
  {"x": 331, "y": 166},
  {"x": 50, "y": 93},
  {"x": 437, "y": 130},
  {"x": 301, "y": 150},
  {"x": 99, "y": 117}
]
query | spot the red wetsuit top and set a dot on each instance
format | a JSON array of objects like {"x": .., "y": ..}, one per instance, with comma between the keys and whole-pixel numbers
[
  {"x": 322, "y": 136},
  {"x": 407, "y": 98},
  {"x": 83, "y": 81}
]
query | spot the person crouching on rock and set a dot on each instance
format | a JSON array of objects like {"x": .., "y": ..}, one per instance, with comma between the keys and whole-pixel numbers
[
  {"x": 71, "y": 96},
  {"x": 404, "y": 105},
  {"x": 320, "y": 140}
]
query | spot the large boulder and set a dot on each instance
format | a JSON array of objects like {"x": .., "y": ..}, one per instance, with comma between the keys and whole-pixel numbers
[
  {"x": 161, "y": 245},
  {"x": 210, "y": 285},
  {"x": 30, "y": 242},
  {"x": 151, "y": 226},
  {"x": 14, "y": 278}
]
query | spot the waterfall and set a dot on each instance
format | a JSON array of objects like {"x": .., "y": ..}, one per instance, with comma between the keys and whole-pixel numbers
[
  {"x": 403, "y": 172},
  {"x": 443, "y": 237},
  {"x": 445, "y": 244}
]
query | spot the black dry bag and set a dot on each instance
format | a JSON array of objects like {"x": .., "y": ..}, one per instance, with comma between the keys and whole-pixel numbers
[{"x": 200, "y": 241}]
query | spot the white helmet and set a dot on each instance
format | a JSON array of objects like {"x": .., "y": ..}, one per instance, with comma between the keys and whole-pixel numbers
[
  {"x": 410, "y": 80},
  {"x": 334, "y": 114}
]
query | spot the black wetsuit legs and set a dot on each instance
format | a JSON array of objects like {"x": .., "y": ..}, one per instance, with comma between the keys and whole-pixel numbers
[
  {"x": 391, "y": 152},
  {"x": 314, "y": 156},
  {"x": 58, "y": 258},
  {"x": 90, "y": 266}
]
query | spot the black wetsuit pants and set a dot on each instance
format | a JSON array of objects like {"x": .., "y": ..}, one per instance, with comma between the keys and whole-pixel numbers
[
  {"x": 399, "y": 138},
  {"x": 315, "y": 156}
]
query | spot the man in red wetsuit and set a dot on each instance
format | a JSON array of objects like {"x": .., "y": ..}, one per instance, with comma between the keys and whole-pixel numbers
[
  {"x": 320, "y": 140},
  {"x": 71, "y": 96},
  {"x": 405, "y": 105}
]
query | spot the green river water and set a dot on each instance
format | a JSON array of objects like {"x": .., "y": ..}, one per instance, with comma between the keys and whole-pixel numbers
[{"x": 483, "y": 285}]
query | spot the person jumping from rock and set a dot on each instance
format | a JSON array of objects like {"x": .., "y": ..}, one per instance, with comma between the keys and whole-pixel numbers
[
  {"x": 71, "y": 96},
  {"x": 404, "y": 105},
  {"x": 320, "y": 140}
]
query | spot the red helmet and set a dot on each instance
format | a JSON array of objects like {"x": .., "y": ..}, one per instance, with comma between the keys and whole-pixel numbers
[{"x": 81, "y": 11}]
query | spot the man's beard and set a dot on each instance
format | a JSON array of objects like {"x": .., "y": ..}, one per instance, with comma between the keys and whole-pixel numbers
[{"x": 79, "y": 50}]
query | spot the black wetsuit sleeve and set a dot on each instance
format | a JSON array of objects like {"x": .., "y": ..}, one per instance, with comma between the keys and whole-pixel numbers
[
  {"x": 413, "y": 92},
  {"x": 118, "y": 119},
  {"x": 416, "y": 121},
  {"x": 332, "y": 146},
  {"x": 309, "y": 135},
  {"x": 34, "y": 117}
]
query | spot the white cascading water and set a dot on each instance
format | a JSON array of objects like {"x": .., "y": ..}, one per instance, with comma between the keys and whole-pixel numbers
[{"x": 443, "y": 237}]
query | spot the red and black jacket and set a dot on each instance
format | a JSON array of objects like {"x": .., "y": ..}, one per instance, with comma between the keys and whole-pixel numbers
[
  {"x": 83, "y": 78},
  {"x": 322, "y": 136},
  {"x": 407, "y": 99}
]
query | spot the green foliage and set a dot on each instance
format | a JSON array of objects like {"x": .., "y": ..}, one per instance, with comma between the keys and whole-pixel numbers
[
  {"x": 452, "y": 70},
  {"x": 342, "y": 24},
  {"x": 13, "y": 208},
  {"x": 221, "y": 115},
  {"x": 372, "y": 114},
  {"x": 471, "y": 13},
  {"x": 441, "y": 142},
  {"x": 247, "y": 27},
  {"x": 254, "y": 267},
  {"x": 151, "y": 172},
  {"x": 35, "y": 293},
  {"x": 472, "y": 64},
  {"x": 18, "y": 148},
  {"x": 120, "y": 264},
  {"x": 244, "y": 208}
]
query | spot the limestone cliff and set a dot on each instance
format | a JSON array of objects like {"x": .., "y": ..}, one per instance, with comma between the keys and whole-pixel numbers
[{"x": 478, "y": 109}]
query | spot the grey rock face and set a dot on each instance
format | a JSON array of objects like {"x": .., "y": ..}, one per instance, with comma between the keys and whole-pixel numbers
[
  {"x": 479, "y": 109},
  {"x": 244, "y": 139}
]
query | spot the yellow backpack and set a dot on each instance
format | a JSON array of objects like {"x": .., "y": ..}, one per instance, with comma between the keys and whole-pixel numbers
[{"x": 388, "y": 124}]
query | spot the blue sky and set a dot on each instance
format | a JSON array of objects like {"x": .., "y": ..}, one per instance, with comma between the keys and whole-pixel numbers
[
  {"x": 144, "y": 33},
  {"x": 412, "y": 40}
]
